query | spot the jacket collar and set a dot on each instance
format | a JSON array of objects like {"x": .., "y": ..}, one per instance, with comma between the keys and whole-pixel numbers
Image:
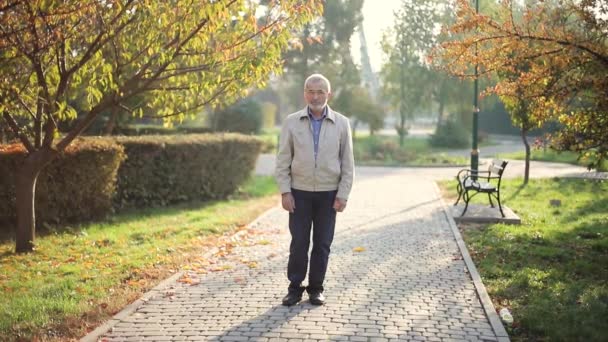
[{"x": 330, "y": 113}]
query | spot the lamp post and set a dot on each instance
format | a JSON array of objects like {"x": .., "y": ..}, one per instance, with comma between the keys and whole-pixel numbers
[{"x": 474, "y": 148}]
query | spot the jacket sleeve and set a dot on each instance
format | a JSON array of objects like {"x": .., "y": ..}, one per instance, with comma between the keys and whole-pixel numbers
[
  {"x": 284, "y": 158},
  {"x": 347, "y": 161}
]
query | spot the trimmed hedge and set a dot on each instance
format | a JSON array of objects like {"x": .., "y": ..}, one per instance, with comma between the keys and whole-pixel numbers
[
  {"x": 159, "y": 130},
  {"x": 96, "y": 176},
  {"x": 161, "y": 170},
  {"x": 78, "y": 185}
]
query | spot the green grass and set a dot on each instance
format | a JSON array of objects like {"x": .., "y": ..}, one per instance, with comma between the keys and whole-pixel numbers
[
  {"x": 551, "y": 271},
  {"x": 550, "y": 155},
  {"x": 81, "y": 275},
  {"x": 385, "y": 151}
]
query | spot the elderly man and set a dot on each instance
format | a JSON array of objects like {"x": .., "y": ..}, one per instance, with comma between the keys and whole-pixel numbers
[{"x": 315, "y": 172}]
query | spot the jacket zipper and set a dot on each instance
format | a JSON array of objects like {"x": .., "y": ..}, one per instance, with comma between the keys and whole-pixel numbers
[{"x": 314, "y": 155}]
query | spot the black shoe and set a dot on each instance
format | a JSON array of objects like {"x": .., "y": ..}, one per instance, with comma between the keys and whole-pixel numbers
[
  {"x": 292, "y": 298},
  {"x": 317, "y": 298}
]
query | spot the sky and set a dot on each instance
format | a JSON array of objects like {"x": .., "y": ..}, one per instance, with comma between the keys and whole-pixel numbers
[{"x": 377, "y": 17}]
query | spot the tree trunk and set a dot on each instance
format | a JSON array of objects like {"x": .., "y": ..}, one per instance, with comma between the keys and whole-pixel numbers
[
  {"x": 440, "y": 113},
  {"x": 25, "y": 188},
  {"x": 524, "y": 138},
  {"x": 401, "y": 130},
  {"x": 111, "y": 124}
]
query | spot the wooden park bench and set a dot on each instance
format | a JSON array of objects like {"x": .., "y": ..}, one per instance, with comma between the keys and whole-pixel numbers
[{"x": 471, "y": 183}]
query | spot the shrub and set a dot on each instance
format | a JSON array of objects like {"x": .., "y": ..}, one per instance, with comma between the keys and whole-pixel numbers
[
  {"x": 161, "y": 170},
  {"x": 77, "y": 186},
  {"x": 91, "y": 178},
  {"x": 450, "y": 134},
  {"x": 243, "y": 117}
]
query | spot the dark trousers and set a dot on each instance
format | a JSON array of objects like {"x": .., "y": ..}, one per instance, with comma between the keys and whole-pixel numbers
[{"x": 313, "y": 210}]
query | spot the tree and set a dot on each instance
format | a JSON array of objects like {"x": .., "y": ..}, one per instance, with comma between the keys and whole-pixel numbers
[
  {"x": 565, "y": 48},
  {"x": 405, "y": 76},
  {"x": 184, "y": 54},
  {"x": 323, "y": 45},
  {"x": 357, "y": 102}
]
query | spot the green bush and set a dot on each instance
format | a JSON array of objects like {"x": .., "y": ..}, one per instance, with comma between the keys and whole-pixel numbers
[
  {"x": 161, "y": 170},
  {"x": 92, "y": 178},
  {"x": 450, "y": 134},
  {"x": 77, "y": 186},
  {"x": 160, "y": 130},
  {"x": 244, "y": 117}
]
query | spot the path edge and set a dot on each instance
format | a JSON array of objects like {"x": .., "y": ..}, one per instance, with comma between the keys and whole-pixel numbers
[
  {"x": 104, "y": 328},
  {"x": 484, "y": 298}
]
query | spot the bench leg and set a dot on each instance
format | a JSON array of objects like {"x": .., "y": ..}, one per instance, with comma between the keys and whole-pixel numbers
[
  {"x": 499, "y": 205},
  {"x": 459, "y": 189},
  {"x": 459, "y": 196},
  {"x": 465, "y": 198},
  {"x": 490, "y": 198}
]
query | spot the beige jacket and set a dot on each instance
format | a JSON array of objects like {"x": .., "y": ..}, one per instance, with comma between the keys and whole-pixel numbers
[{"x": 334, "y": 167}]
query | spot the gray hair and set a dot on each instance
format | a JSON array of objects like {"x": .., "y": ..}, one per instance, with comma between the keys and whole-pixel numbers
[{"x": 314, "y": 78}]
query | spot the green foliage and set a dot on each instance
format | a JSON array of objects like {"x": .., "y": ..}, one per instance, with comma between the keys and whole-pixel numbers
[
  {"x": 161, "y": 170},
  {"x": 323, "y": 46},
  {"x": 92, "y": 178},
  {"x": 137, "y": 130},
  {"x": 359, "y": 106},
  {"x": 552, "y": 270},
  {"x": 407, "y": 84},
  {"x": 243, "y": 117},
  {"x": 533, "y": 47},
  {"x": 77, "y": 186},
  {"x": 145, "y": 59},
  {"x": 452, "y": 134}
]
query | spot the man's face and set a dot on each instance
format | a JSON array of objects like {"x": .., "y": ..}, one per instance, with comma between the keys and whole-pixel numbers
[{"x": 316, "y": 95}]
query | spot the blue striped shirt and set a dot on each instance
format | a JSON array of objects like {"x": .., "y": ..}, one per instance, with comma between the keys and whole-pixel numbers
[{"x": 315, "y": 125}]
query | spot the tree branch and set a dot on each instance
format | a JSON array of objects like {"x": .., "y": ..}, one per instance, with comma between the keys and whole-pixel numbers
[{"x": 15, "y": 128}]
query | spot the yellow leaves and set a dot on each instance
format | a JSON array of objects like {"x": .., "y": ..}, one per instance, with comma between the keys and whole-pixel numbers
[
  {"x": 220, "y": 268},
  {"x": 136, "y": 282},
  {"x": 188, "y": 280},
  {"x": 359, "y": 249}
]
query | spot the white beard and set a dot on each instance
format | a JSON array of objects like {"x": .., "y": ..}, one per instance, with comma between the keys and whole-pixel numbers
[{"x": 318, "y": 107}]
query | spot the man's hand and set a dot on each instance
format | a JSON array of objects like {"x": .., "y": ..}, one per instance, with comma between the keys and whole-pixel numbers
[
  {"x": 288, "y": 202},
  {"x": 339, "y": 204}
]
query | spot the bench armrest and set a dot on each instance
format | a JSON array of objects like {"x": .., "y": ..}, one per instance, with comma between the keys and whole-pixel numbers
[{"x": 464, "y": 173}]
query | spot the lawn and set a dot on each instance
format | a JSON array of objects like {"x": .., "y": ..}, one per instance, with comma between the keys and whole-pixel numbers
[
  {"x": 551, "y": 271},
  {"x": 550, "y": 155},
  {"x": 80, "y": 276},
  {"x": 384, "y": 150}
]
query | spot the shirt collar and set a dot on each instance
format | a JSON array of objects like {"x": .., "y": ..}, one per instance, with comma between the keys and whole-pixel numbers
[
  {"x": 327, "y": 113},
  {"x": 323, "y": 116}
]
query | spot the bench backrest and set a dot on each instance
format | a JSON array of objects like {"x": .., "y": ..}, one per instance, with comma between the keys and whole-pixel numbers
[{"x": 497, "y": 166}]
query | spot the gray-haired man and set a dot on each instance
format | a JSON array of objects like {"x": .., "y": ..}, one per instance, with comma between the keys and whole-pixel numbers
[{"x": 315, "y": 172}]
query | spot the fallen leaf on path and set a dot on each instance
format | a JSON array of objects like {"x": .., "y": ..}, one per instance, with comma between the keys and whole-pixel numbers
[
  {"x": 358, "y": 249},
  {"x": 188, "y": 280}
]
